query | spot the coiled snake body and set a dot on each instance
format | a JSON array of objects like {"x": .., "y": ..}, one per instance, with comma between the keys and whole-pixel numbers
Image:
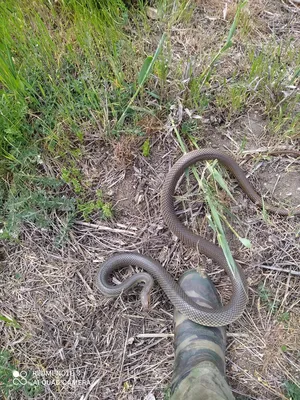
[{"x": 209, "y": 317}]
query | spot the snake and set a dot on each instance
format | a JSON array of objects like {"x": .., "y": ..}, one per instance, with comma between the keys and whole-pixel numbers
[{"x": 215, "y": 317}]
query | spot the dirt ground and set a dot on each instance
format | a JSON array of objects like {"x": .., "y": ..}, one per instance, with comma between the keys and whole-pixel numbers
[{"x": 69, "y": 328}]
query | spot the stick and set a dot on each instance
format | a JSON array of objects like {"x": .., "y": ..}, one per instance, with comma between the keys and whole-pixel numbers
[
  {"x": 270, "y": 151},
  {"x": 106, "y": 228},
  {"x": 171, "y": 335},
  {"x": 287, "y": 271}
]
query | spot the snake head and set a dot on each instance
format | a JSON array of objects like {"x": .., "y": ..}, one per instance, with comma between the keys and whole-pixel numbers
[
  {"x": 145, "y": 300},
  {"x": 145, "y": 293}
]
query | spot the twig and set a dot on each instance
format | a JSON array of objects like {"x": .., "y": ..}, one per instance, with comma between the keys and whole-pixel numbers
[
  {"x": 237, "y": 335},
  {"x": 276, "y": 183},
  {"x": 124, "y": 352},
  {"x": 287, "y": 271},
  {"x": 287, "y": 291},
  {"x": 145, "y": 348},
  {"x": 105, "y": 228},
  {"x": 270, "y": 151},
  {"x": 171, "y": 335},
  {"x": 154, "y": 335},
  {"x": 95, "y": 383},
  {"x": 85, "y": 283}
]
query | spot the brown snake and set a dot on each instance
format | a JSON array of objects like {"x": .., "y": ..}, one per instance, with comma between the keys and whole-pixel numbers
[{"x": 209, "y": 317}]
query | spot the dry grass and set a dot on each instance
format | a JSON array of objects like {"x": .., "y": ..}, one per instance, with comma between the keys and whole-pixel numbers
[
  {"x": 123, "y": 149},
  {"x": 66, "y": 324}
]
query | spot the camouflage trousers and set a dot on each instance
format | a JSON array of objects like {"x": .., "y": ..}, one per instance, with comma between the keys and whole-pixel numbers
[
  {"x": 203, "y": 383},
  {"x": 199, "y": 370}
]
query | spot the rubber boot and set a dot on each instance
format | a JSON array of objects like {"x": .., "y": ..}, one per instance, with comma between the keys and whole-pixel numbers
[{"x": 199, "y": 370}]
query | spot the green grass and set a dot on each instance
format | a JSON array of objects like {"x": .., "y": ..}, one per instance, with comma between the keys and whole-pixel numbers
[
  {"x": 9, "y": 321},
  {"x": 211, "y": 179},
  {"x": 272, "y": 305},
  {"x": 265, "y": 78},
  {"x": 66, "y": 69},
  {"x": 268, "y": 79}
]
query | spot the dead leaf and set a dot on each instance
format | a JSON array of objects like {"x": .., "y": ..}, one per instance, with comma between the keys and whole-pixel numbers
[{"x": 152, "y": 13}]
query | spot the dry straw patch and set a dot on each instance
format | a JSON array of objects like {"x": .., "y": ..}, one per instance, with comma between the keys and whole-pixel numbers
[{"x": 67, "y": 324}]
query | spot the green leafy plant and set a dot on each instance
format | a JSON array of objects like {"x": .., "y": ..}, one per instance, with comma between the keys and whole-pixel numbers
[
  {"x": 146, "y": 148},
  {"x": 73, "y": 177},
  {"x": 87, "y": 208},
  {"x": 11, "y": 381},
  {"x": 31, "y": 199},
  {"x": 284, "y": 317},
  {"x": 266, "y": 297},
  {"x": 167, "y": 394},
  {"x": 264, "y": 293},
  {"x": 292, "y": 390}
]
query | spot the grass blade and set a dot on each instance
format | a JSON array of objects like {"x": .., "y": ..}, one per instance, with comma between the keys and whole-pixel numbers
[
  {"x": 143, "y": 75},
  {"x": 145, "y": 71},
  {"x": 219, "y": 179}
]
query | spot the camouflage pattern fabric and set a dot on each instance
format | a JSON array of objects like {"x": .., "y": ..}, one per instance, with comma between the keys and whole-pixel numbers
[{"x": 199, "y": 370}]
